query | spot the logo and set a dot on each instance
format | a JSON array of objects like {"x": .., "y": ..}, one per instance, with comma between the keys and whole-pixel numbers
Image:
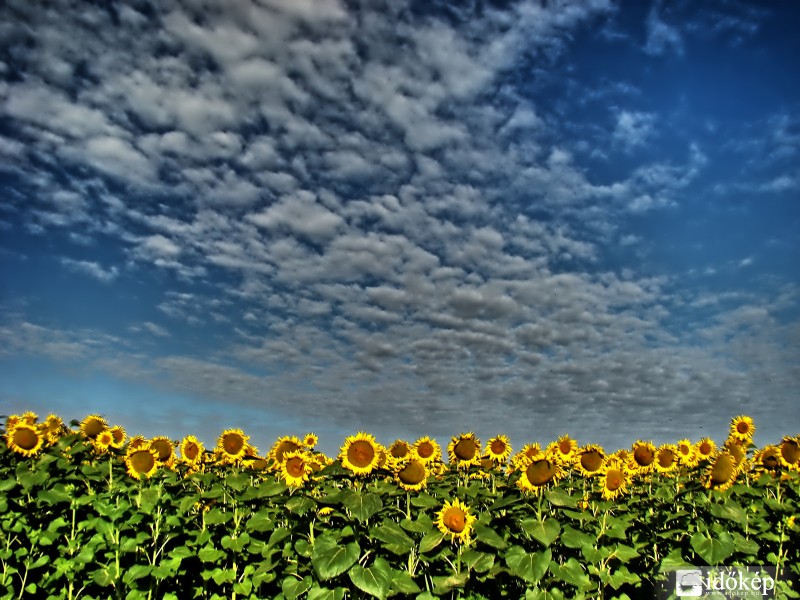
[
  {"x": 689, "y": 583},
  {"x": 752, "y": 583}
]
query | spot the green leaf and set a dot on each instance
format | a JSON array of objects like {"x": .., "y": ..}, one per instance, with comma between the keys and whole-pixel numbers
[
  {"x": 489, "y": 536},
  {"x": 429, "y": 541},
  {"x": 236, "y": 544},
  {"x": 209, "y": 554},
  {"x": 216, "y": 517},
  {"x": 334, "y": 561},
  {"x": 442, "y": 585},
  {"x": 259, "y": 522},
  {"x": 729, "y": 510},
  {"x": 477, "y": 561},
  {"x": 135, "y": 572},
  {"x": 425, "y": 500},
  {"x": 545, "y": 532},
  {"x": 300, "y": 505},
  {"x": 624, "y": 553},
  {"x": 322, "y": 593},
  {"x": 573, "y": 538},
  {"x": 673, "y": 560},
  {"x": 362, "y": 505},
  {"x": 394, "y": 538},
  {"x": 237, "y": 481},
  {"x": 744, "y": 545},
  {"x": 293, "y": 588},
  {"x": 572, "y": 573},
  {"x": 271, "y": 488},
  {"x": 242, "y": 587},
  {"x": 375, "y": 580},
  {"x": 277, "y": 536},
  {"x": 559, "y": 497},
  {"x": 713, "y": 550},
  {"x": 530, "y": 566},
  {"x": 403, "y": 583}
]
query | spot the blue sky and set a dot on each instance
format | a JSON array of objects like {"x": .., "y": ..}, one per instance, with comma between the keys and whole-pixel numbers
[{"x": 410, "y": 218}]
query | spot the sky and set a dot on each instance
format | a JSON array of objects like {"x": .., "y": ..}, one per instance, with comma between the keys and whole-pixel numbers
[{"x": 404, "y": 217}]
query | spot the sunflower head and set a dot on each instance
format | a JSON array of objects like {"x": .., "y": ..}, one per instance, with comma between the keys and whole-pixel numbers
[
  {"x": 538, "y": 472},
  {"x": 564, "y": 448},
  {"x": 643, "y": 456},
  {"x": 360, "y": 453},
  {"x": 614, "y": 479},
  {"x": 666, "y": 458},
  {"x": 498, "y": 449},
  {"x": 742, "y": 428},
  {"x": 118, "y": 434},
  {"x": 310, "y": 440},
  {"x": 464, "y": 450},
  {"x": 768, "y": 458},
  {"x": 705, "y": 449},
  {"x": 790, "y": 452},
  {"x": 411, "y": 474},
  {"x": 284, "y": 444},
  {"x": 589, "y": 459},
  {"x": 427, "y": 450},
  {"x": 92, "y": 425},
  {"x": 721, "y": 474},
  {"x": 687, "y": 453},
  {"x": 24, "y": 439},
  {"x": 103, "y": 441},
  {"x": 165, "y": 449},
  {"x": 142, "y": 461},
  {"x": 137, "y": 441},
  {"x": 191, "y": 450},
  {"x": 455, "y": 520},
  {"x": 232, "y": 445},
  {"x": 398, "y": 450},
  {"x": 296, "y": 468},
  {"x": 52, "y": 429}
]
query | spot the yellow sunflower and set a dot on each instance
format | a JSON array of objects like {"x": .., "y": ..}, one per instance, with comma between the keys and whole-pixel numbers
[
  {"x": 397, "y": 451},
  {"x": 790, "y": 452},
  {"x": 455, "y": 520},
  {"x": 427, "y": 450},
  {"x": 737, "y": 449},
  {"x": 498, "y": 449},
  {"x": 768, "y": 458},
  {"x": 464, "y": 451},
  {"x": 666, "y": 458},
  {"x": 310, "y": 440},
  {"x": 721, "y": 474},
  {"x": 29, "y": 418},
  {"x": 284, "y": 444},
  {"x": 52, "y": 429},
  {"x": 165, "y": 448},
  {"x": 564, "y": 448},
  {"x": 118, "y": 433},
  {"x": 411, "y": 474},
  {"x": 103, "y": 441},
  {"x": 706, "y": 448},
  {"x": 360, "y": 453},
  {"x": 92, "y": 425},
  {"x": 687, "y": 453},
  {"x": 192, "y": 450},
  {"x": 589, "y": 459},
  {"x": 643, "y": 456},
  {"x": 296, "y": 468},
  {"x": 520, "y": 459},
  {"x": 232, "y": 445},
  {"x": 538, "y": 472},
  {"x": 24, "y": 439},
  {"x": 142, "y": 461},
  {"x": 614, "y": 479},
  {"x": 137, "y": 441},
  {"x": 742, "y": 428}
]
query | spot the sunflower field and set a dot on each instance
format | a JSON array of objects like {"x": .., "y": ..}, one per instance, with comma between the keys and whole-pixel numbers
[{"x": 87, "y": 512}]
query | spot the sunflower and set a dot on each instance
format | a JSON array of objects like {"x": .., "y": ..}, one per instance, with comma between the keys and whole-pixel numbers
[
  {"x": 28, "y": 418},
  {"x": 118, "y": 433},
  {"x": 284, "y": 444},
  {"x": 92, "y": 425},
  {"x": 643, "y": 456},
  {"x": 165, "y": 448},
  {"x": 564, "y": 448},
  {"x": 738, "y": 451},
  {"x": 615, "y": 480},
  {"x": 721, "y": 474},
  {"x": 768, "y": 458},
  {"x": 427, "y": 450},
  {"x": 142, "y": 461},
  {"x": 498, "y": 449},
  {"x": 411, "y": 474},
  {"x": 464, "y": 451},
  {"x": 397, "y": 451},
  {"x": 589, "y": 459},
  {"x": 103, "y": 441},
  {"x": 790, "y": 452},
  {"x": 24, "y": 439},
  {"x": 137, "y": 441},
  {"x": 232, "y": 445},
  {"x": 191, "y": 450},
  {"x": 687, "y": 453},
  {"x": 538, "y": 472},
  {"x": 666, "y": 458},
  {"x": 360, "y": 453},
  {"x": 52, "y": 429},
  {"x": 310, "y": 440},
  {"x": 295, "y": 468},
  {"x": 742, "y": 428},
  {"x": 520, "y": 460},
  {"x": 705, "y": 449},
  {"x": 455, "y": 520}
]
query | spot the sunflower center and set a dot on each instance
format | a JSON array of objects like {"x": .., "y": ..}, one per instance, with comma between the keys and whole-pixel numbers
[
  {"x": 564, "y": 447},
  {"x": 723, "y": 469},
  {"x": 705, "y": 448},
  {"x": 498, "y": 447},
  {"x": 591, "y": 460},
  {"x": 283, "y": 448},
  {"x": 742, "y": 427},
  {"x": 190, "y": 451},
  {"x": 614, "y": 480},
  {"x": 142, "y": 461},
  {"x": 295, "y": 466},
  {"x": 25, "y": 438},
  {"x": 164, "y": 449},
  {"x": 361, "y": 453},
  {"x": 412, "y": 474},
  {"x": 541, "y": 472},
  {"x": 455, "y": 520},
  {"x": 93, "y": 428},
  {"x": 770, "y": 461},
  {"x": 643, "y": 456},
  {"x": 425, "y": 450},
  {"x": 118, "y": 435},
  {"x": 790, "y": 450},
  {"x": 399, "y": 450},
  {"x": 684, "y": 450},
  {"x": 666, "y": 459},
  {"x": 465, "y": 449},
  {"x": 233, "y": 443}
]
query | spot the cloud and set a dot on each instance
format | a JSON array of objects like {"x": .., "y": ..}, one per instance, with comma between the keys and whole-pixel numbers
[
  {"x": 633, "y": 129},
  {"x": 662, "y": 38},
  {"x": 93, "y": 269}
]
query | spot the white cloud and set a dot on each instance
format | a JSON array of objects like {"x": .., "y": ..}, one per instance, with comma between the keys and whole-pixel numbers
[
  {"x": 91, "y": 268},
  {"x": 661, "y": 37}
]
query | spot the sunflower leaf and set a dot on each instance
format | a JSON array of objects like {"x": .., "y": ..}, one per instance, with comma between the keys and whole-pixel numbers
[
  {"x": 294, "y": 588},
  {"x": 544, "y": 532},
  {"x": 375, "y": 580},
  {"x": 394, "y": 538},
  {"x": 362, "y": 505},
  {"x": 713, "y": 550},
  {"x": 334, "y": 561},
  {"x": 530, "y": 566}
]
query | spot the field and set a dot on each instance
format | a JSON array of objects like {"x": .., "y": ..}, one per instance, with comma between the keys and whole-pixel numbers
[{"x": 87, "y": 512}]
